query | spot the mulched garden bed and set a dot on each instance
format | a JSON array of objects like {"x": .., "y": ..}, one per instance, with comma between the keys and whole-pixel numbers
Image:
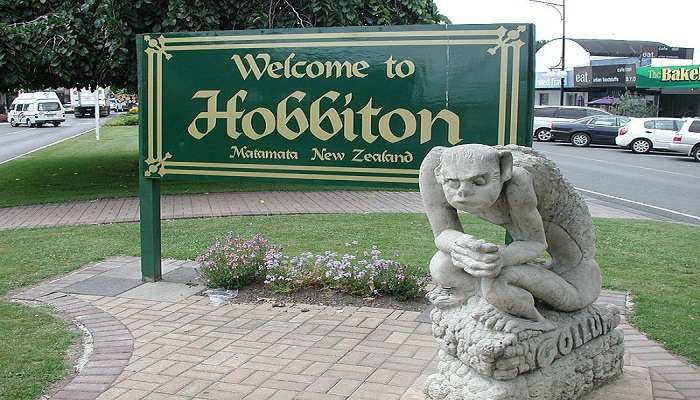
[{"x": 260, "y": 293}]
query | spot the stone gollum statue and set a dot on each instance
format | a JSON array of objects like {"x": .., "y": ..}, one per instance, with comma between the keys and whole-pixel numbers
[{"x": 522, "y": 191}]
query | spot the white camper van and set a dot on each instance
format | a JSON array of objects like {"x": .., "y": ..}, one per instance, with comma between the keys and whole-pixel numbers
[{"x": 36, "y": 109}]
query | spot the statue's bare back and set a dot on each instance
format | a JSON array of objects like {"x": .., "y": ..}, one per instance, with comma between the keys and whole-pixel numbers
[{"x": 522, "y": 191}]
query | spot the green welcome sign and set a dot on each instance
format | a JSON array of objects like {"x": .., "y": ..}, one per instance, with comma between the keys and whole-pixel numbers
[
  {"x": 682, "y": 76},
  {"x": 355, "y": 106}
]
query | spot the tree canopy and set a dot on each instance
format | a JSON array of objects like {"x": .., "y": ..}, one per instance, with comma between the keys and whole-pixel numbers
[
  {"x": 539, "y": 44},
  {"x": 50, "y": 43}
]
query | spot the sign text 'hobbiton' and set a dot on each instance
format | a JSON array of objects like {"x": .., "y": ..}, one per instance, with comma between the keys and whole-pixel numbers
[{"x": 324, "y": 117}]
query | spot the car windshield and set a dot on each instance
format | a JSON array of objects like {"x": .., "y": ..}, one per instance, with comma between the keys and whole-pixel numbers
[
  {"x": 694, "y": 126},
  {"x": 546, "y": 112},
  {"x": 624, "y": 120},
  {"x": 53, "y": 106}
]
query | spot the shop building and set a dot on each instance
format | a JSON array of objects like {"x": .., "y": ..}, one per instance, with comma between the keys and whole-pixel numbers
[
  {"x": 600, "y": 70},
  {"x": 677, "y": 88}
]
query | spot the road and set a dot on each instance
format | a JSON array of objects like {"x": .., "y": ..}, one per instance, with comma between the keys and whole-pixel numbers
[
  {"x": 665, "y": 184},
  {"x": 21, "y": 139}
]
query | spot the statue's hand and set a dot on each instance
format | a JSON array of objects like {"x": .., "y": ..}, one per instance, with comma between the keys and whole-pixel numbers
[{"x": 477, "y": 257}]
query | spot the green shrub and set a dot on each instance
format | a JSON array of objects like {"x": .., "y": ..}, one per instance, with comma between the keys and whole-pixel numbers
[
  {"x": 632, "y": 105},
  {"x": 124, "y": 120},
  {"x": 232, "y": 263}
]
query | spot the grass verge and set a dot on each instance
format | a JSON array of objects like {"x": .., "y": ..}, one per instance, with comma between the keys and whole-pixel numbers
[
  {"x": 33, "y": 345},
  {"x": 663, "y": 277},
  {"x": 85, "y": 169}
]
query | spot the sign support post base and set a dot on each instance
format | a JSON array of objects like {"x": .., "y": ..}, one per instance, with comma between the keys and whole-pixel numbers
[{"x": 149, "y": 195}]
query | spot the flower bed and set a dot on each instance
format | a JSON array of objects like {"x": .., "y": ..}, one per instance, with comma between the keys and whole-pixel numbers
[{"x": 234, "y": 262}]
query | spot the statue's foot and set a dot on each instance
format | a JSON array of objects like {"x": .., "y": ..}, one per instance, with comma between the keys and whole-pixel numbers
[
  {"x": 494, "y": 319},
  {"x": 444, "y": 298}
]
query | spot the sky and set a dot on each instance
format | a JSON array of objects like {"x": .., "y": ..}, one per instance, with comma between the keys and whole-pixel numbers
[{"x": 673, "y": 22}]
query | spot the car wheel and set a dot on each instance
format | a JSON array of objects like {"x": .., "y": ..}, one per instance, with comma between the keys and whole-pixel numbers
[
  {"x": 640, "y": 146},
  {"x": 13, "y": 123},
  {"x": 56, "y": 123},
  {"x": 29, "y": 123},
  {"x": 696, "y": 153},
  {"x": 544, "y": 135},
  {"x": 580, "y": 140}
]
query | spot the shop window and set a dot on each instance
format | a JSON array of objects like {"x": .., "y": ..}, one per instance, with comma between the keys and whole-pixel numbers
[{"x": 543, "y": 99}]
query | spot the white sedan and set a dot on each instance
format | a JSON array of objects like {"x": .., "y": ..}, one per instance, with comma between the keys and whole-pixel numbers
[
  {"x": 687, "y": 140},
  {"x": 642, "y": 135}
]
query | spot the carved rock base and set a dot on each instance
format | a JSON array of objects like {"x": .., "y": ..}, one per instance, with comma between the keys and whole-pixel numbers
[{"x": 584, "y": 352}]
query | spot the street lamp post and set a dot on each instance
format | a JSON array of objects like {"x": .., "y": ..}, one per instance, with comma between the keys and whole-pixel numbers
[{"x": 561, "y": 9}]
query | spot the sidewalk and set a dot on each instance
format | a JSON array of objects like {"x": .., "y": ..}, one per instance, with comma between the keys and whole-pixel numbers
[
  {"x": 244, "y": 203},
  {"x": 163, "y": 340}
]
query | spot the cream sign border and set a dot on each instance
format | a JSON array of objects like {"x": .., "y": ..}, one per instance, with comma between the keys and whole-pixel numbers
[{"x": 162, "y": 48}]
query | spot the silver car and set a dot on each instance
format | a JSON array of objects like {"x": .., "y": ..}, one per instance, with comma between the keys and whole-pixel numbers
[
  {"x": 546, "y": 115},
  {"x": 687, "y": 140}
]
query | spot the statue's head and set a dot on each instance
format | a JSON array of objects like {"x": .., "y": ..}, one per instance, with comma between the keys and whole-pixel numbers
[{"x": 472, "y": 175}]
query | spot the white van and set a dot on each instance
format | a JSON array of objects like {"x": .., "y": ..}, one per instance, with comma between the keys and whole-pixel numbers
[{"x": 36, "y": 109}]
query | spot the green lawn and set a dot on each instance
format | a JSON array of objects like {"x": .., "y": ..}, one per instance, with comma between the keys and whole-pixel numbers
[
  {"x": 657, "y": 262},
  {"x": 33, "y": 345},
  {"x": 85, "y": 169}
]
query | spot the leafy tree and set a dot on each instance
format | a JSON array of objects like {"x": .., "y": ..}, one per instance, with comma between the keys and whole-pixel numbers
[
  {"x": 632, "y": 105},
  {"x": 539, "y": 44},
  {"x": 79, "y": 42}
]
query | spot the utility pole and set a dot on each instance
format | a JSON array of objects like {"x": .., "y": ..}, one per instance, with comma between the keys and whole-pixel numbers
[
  {"x": 563, "y": 50},
  {"x": 97, "y": 112},
  {"x": 561, "y": 9}
]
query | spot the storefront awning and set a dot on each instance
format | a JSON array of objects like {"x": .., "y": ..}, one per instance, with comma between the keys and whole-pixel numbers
[{"x": 605, "y": 101}]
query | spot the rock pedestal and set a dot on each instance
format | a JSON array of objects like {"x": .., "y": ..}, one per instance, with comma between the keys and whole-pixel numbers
[{"x": 480, "y": 360}]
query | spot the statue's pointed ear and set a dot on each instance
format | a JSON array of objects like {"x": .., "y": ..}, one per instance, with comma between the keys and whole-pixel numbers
[
  {"x": 438, "y": 174},
  {"x": 506, "y": 161}
]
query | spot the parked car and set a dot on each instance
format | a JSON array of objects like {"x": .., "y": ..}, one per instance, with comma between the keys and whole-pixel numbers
[
  {"x": 589, "y": 130},
  {"x": 642, "y": 135},
  {"x": 545, "y": 115},
  {"x": 687, "y": 140},
  {"x": 116, "y": 106}
]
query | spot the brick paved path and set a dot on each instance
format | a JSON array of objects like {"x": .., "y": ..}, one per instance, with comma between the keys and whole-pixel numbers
[
  {"x": 241, "y": 203},
  {"x": 161, "y": 341}
]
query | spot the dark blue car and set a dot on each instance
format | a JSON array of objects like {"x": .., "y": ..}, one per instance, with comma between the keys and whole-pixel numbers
[{"x": 589, "y": 130}]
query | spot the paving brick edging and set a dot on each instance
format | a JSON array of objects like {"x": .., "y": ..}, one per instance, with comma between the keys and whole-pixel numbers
[{"x": 112, "y": 347}]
